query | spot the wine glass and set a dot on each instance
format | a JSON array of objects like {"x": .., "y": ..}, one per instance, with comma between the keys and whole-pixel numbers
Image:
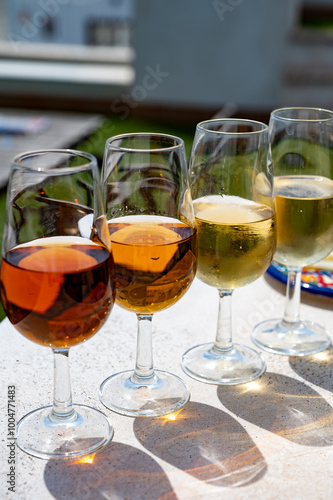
[
  {"x": 57, "y": 286},
  {"x": 232, "y": 189},
  {"x": 153, "y": 242},
  {"x": 302, "y": 154}
]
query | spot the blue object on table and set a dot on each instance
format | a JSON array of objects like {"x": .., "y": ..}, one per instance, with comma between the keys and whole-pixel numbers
[{"x": 314, "y": 279}]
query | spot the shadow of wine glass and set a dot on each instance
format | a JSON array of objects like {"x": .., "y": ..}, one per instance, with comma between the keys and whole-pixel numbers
[
  {"x": 205, "y": 442},
  {"x": 283, "y": 406},
  {"x": 317, "y": 369},
  {"x": 117, "y": 471}
]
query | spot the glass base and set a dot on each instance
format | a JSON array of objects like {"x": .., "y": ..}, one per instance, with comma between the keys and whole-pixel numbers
[
  {"x": 303, "y": 339},
  {"x": 85, "y": 433},
  {"x": 208, "y": 364},
  {"x": 129, "y": 395}
]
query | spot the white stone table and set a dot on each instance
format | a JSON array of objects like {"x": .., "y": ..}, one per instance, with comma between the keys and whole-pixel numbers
[{"x": 272, "y": 439}]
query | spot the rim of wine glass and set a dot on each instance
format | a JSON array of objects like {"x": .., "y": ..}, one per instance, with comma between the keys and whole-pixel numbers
[
  {"x": 275, "y": 114},
  {"x": 201, "y": 126},
  {"x": 109, "y": 141},
  {"x": 16, "y": 161}
]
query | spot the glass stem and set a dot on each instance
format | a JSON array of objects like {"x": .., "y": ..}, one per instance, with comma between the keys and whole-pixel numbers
[
  {"x": 223, "y": 340},
  {"x": 62, "y": 398},
  {"x": 293, "y": 296},
  {"x": 144, "y": 352}
]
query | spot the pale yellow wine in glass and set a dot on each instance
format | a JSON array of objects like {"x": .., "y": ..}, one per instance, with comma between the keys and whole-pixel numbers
[
  {"x": 232, "y": 191},
  {"x": 302, "y": 148}
]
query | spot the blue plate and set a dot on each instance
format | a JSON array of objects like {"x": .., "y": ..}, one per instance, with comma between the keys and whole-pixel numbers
[{"x": 315, "y": 279}]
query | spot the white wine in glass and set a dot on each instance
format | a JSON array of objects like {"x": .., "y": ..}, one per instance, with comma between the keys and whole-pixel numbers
[
  {"x": 304, "y": 214},
  {"x": 232, "y": 190},
  {"x": 234, "y": 240},
  {"x": 302, "y": 148}
]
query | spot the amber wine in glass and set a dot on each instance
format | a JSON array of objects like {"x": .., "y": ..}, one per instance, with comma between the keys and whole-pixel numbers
[
  {"x": 153, "y": 240},
  {"x": 57, "y": 286}
]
